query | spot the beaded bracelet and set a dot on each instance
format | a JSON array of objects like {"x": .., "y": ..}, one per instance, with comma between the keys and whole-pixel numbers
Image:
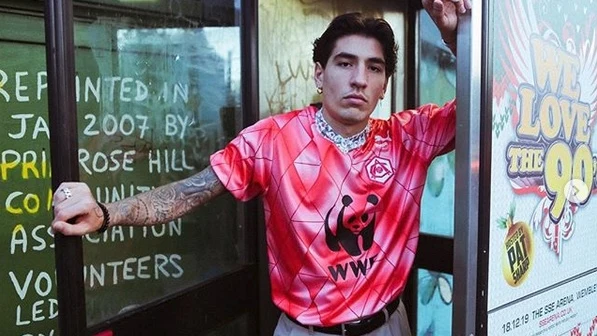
[{"x": 106, "y": 222}]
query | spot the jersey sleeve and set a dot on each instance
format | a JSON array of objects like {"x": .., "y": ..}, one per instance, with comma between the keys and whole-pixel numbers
[
  {"x": 243, "y": 166},
  {"x": 430, "y": 130}
]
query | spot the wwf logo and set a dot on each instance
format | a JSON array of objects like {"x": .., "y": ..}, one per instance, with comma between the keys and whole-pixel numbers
[{"x": 359, "y": 224}]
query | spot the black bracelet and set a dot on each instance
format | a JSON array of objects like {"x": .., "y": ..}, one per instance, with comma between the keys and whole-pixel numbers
[{"x": 106, "y": 222}]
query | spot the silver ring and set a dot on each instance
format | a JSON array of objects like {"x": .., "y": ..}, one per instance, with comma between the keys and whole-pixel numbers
[{"x": 67, "y": 193}]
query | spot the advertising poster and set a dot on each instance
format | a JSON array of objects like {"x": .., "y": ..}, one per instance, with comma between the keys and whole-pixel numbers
[{"x": 543, "y": 214}]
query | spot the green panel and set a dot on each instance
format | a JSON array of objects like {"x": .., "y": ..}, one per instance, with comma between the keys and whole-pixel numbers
[
  {"x": 22, "y": 28},
  {"x": 27, "y": 271}
]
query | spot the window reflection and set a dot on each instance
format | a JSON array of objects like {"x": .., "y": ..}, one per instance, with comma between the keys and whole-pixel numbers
[
  {"x": 156, "y": 96},
  {"x": 434, "y": 311},
  {"x": 437, "y": 84}
]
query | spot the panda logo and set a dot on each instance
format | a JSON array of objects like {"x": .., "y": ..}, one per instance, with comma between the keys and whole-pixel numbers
[{"x": 348, "y": 230}]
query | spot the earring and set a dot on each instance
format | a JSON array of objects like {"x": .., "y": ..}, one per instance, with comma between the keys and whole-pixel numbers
[{"x": 319, "y": 90}]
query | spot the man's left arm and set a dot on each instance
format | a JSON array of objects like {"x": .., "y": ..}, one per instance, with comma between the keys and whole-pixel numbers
[{"x": 445, "y": 14}]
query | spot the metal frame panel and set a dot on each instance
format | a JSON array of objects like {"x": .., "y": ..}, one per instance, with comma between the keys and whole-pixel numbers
[
  {"x": 485, "y": 112},
  {"x": 468, "y": 147},
  {"x": 60, "y": 58}
]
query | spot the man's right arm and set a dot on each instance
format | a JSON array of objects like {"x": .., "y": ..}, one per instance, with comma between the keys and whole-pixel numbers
[{"x": 159, "y": 205}]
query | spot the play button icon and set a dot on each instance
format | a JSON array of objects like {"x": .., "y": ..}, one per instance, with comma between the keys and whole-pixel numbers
[{"x": 576, "y": 191}]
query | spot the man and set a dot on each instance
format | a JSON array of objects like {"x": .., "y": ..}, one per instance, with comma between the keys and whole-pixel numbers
[{"x": 338, "y": 187}]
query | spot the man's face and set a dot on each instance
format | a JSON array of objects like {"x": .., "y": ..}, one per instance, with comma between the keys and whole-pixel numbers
[{"x": 353, "y": 81}]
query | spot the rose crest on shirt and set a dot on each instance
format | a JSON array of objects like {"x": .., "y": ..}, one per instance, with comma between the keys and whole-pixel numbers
[{"x": 379, "y": 169}]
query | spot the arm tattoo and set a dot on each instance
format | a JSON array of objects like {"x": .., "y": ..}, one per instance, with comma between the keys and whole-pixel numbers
[{"x": 167, "y": 202}]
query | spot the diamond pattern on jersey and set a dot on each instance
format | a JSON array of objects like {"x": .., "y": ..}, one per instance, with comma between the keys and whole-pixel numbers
[{"x": 340, "y": 243}]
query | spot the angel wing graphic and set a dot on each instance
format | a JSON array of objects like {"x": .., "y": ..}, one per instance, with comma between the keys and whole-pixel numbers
[
  {"x": 587, "y": 78},
  {"x": 520, "y": 24}
]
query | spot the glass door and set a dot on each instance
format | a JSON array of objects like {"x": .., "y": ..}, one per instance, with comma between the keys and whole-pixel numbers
[{"x": 157, "y": 89}]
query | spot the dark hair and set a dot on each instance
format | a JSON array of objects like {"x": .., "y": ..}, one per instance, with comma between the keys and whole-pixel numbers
[{"x": 356, "y": 24}]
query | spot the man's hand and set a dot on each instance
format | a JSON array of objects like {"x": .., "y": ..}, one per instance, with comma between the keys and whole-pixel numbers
[
  {"x": 445, "y": 15},
  {"x": 76, "y": 212}
]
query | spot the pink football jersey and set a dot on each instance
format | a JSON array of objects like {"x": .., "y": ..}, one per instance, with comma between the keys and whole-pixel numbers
[{"x": 342, "y": 228}]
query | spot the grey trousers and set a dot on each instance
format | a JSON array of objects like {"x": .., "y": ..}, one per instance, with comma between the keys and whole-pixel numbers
[{"x": 397, "y": 325}]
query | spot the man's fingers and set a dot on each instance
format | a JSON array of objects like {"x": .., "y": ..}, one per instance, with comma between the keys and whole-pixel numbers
[
  {"x": 459, "y": 5},
  {"x": 462, "y": 5},
  {"x": 58, "y": 197},
  {"x": 75, "y": 210},
  {"x": 64, "y": 213},
  {"x": 437, "y": 7},
  {"x": 64, "y": 191},
  {"x": 70, "y": 229},
  {"x": 433, "y": 6},
  {"x": 73, "y": 220},
  {"x": 76, "y": 217}
]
